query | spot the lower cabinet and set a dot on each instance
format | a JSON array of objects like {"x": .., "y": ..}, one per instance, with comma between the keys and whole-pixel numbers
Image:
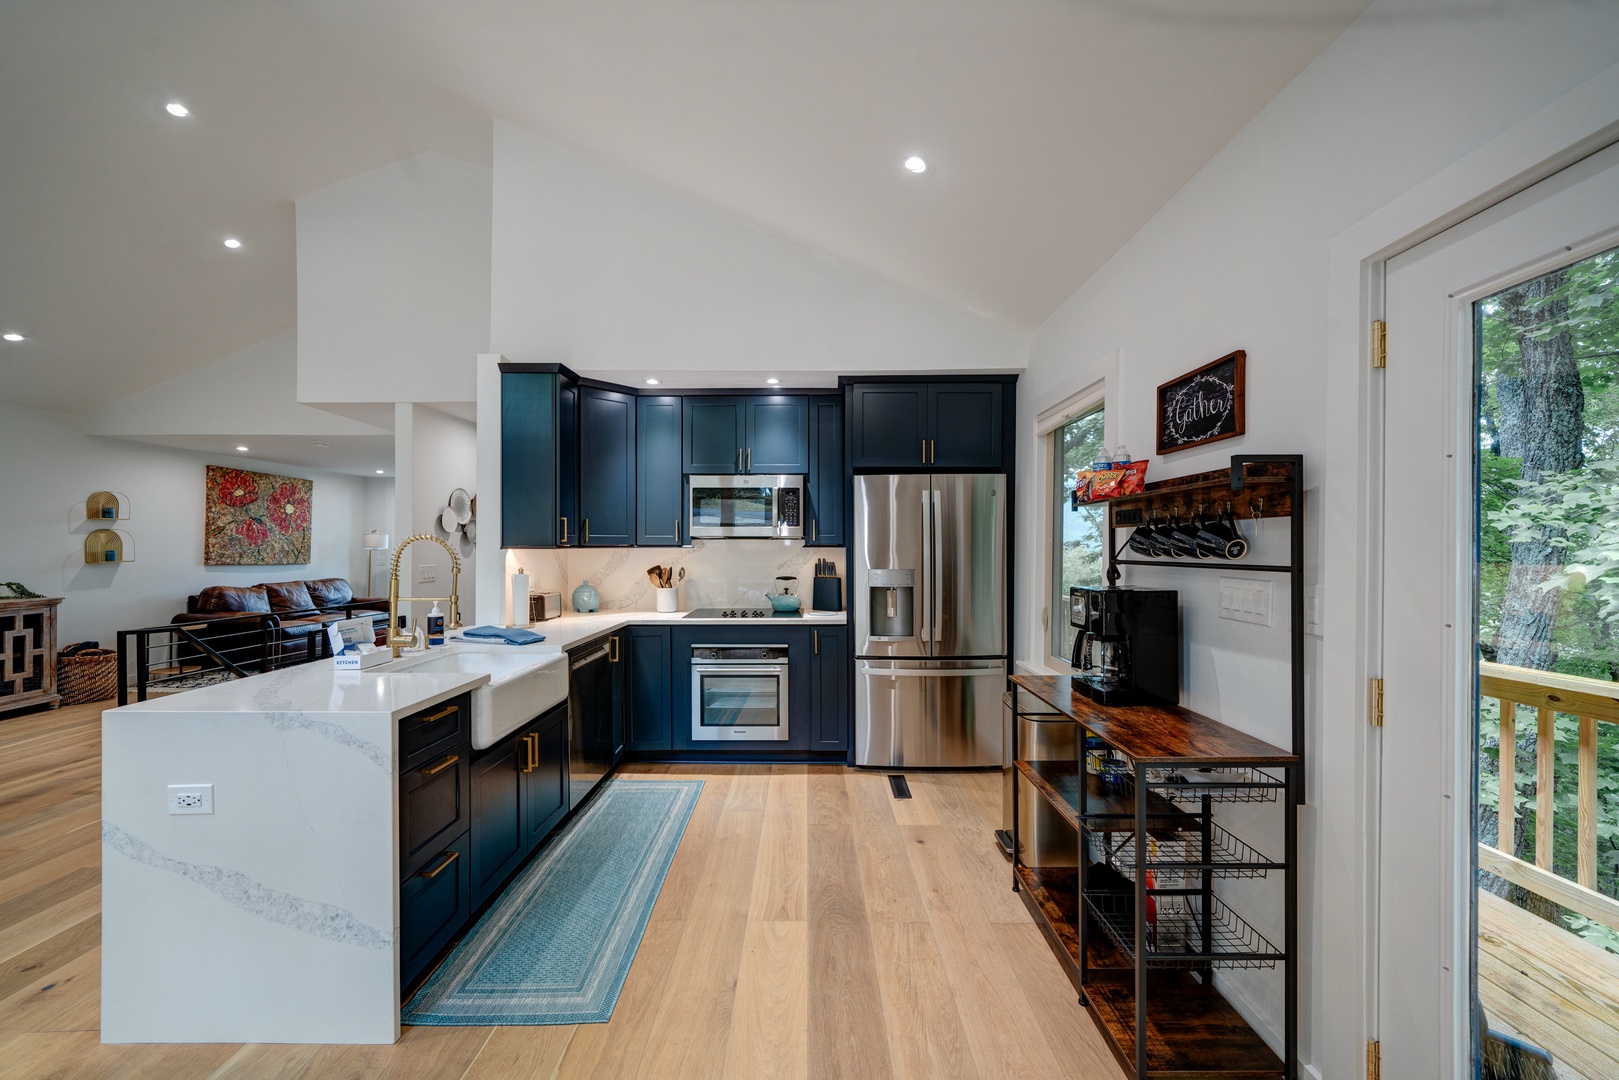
[
  {"x": 435, "y": 902},
  {"x": 829, "y": 688},
  {"x": 649, "y": 715},
  {"x": 519, "y": 790}
]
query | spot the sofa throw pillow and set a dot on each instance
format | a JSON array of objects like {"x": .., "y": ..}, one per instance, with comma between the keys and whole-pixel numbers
[
  {"x": 330, "y": 592},
  {"x": 288, "y": 596},
  {"x": 244, "y": 598}
]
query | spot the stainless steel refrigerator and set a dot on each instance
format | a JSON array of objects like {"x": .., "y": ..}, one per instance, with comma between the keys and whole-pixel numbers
[{"x": 929, "y": 600}]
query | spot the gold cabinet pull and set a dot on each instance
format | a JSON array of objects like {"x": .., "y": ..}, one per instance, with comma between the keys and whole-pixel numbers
[
  {"x": 924, "y": 451},
  {"x": 586, "y": 538},
  {"x": 612, "y": 649},
  {"x": 449, "y": 857},
  {"x": 815, "y": 530},
  {"x": 533, "y": 751},
  {"x": 739, "y": 459},
  {"x": 564, "y": 539},
  {"x": 817, "y": 634},
  {"x": 441, "y": 766},
  {"x": 441, "y": 714},
  {"x": 749, "y": 468}
]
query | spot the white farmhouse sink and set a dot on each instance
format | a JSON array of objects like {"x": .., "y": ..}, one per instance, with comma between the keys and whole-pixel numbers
[{"x": 521, "y": 685}]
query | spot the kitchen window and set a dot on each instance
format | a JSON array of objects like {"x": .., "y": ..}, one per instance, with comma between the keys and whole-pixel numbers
[{"x": 1076, "y": 535}]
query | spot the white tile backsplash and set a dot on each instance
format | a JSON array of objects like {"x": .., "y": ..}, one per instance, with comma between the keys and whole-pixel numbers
[{"x": 719, "y": 573}]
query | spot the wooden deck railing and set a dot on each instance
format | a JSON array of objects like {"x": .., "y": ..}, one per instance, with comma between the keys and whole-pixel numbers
[{"x": 1593, "y": 702}]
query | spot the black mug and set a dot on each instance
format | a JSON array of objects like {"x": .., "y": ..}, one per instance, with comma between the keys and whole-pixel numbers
[
  {"x": 1159, "y": 538},
  {"x": 1183, "y": 541},
  {"x": 1140, "y": 541},
  {"x": 1221, "y": 540}
]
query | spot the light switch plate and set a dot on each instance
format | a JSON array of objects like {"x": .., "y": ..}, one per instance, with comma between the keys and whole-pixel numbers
[
  {"x": 1246, "y": 600},
  {"x": 191, "y": 798},
  {"x": 426, "y": 573}
]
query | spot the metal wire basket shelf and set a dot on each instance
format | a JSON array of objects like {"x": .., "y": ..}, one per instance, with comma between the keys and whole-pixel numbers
[
  {"x": 1181, "y": 854},
  {"x": 1191, "y": 786},
  {"x": 1175, "y": 933}
]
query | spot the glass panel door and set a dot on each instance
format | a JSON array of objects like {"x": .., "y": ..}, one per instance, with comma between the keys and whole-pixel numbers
[{"x": 1547, "y": 961}]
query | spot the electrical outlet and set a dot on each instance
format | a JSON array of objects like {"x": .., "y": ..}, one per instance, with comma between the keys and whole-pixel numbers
[
  {"x": 191, "y": 798},
  {"x": 426, "y": 573},
  {"x": 1246, "y": 600}
]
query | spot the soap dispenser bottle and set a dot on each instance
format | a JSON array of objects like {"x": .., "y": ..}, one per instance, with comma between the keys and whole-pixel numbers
[{"x": 435, "y": 626}]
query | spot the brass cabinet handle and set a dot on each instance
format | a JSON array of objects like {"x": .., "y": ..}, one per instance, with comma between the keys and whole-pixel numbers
[
  {"x": 817, "y": 634},
  {"x": 749, "y": 468},
  {"x": 449, "y": 857},
  {"x": 933, "y": 451},
  {"x": 534, "y": 750},
  {"x": 815, "y": 530},
  {"x": 677, "y": 530},
  {"x": 441, "y": 766},
  {"x": 739, "y": 459},
  {"x": 441, "y": 714},
  {"x": 612, "y": 649},
  {"x": 586, "y": 538},
  {"x": 564, "y": 539},
  {"x": 924, "y": 451}
]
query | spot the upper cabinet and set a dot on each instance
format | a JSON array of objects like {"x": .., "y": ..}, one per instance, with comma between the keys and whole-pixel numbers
[
  {"x": 660, "y": 503},
  {"x": 948, "y": 425},
  {"x": 607, "y": 467},
  {"x": 825, "y": 483},
  {"x": 539, "y": 451},
  {"x": 739, "y": 434}
]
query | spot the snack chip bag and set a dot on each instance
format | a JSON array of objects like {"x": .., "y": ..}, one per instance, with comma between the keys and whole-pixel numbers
[
  {"x": 1082, "y": 489},
  {"x": 1105, "y": 483},
  {"x": 1134, "y": 481}
]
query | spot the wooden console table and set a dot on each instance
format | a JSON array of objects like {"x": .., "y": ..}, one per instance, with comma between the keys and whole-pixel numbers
[{"x": 28, "y": 653}]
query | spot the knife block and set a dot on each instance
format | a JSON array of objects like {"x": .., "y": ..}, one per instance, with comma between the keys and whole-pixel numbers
[{"x": 828, "y": 594}]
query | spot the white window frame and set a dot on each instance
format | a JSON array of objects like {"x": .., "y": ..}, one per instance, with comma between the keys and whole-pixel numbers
[{"x": 1046, "y": 426}]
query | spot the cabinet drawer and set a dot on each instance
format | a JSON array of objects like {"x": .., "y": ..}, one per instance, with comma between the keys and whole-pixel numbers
[
  {"x": 432, "y": 807},
  {"x": 435, "y": 729},
  {"x": 435, "y": 902}
]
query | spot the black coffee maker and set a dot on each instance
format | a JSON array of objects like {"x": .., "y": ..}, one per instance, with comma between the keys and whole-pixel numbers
[{"x": 1128, "y": 650}]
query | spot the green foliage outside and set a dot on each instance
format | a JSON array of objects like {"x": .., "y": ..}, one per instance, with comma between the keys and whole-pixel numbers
[
  {"x": 1079, "y": 530},
  {"x": 1580, "y": 508}
]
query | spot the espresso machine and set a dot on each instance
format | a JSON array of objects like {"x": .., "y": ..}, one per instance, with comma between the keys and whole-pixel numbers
[{"x": 1128, "y": 650}]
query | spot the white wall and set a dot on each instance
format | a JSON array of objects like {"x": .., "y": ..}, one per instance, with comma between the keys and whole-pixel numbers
[
  {"x": 393, "y": 283},
  {"x": 436, "y": 453},
  {"x": 606, "y": 272},
  {"x": 51, "y": 468},
  {"x": 1239, "y": 259}
]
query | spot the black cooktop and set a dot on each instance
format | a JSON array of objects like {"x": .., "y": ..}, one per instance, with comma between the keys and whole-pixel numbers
[{"x": 742, "y": 613}]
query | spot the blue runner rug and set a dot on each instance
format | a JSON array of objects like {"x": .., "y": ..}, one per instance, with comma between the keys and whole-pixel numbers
[{"x": 557, "y": 945}]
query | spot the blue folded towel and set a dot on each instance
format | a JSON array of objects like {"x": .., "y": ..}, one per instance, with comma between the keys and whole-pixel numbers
[{"x": 511, "y": 635}]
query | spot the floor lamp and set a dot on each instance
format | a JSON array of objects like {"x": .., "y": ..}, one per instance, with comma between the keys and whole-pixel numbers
[{"x": 374, "y": 542}]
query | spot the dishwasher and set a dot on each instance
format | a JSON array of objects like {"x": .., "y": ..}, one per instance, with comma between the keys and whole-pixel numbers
[{"x": 590, "y": 719}]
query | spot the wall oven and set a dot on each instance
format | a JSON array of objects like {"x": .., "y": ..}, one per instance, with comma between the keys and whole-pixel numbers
[
  {"x": 769, "y": 507},
  {"x": 738, "y": 692}
]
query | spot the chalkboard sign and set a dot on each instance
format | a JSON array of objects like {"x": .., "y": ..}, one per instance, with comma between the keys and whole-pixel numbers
[{"x": 1202, "y": 406}]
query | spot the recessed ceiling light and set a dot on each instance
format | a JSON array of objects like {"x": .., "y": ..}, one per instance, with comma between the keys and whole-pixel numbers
[
  {"x": 381, "y": 471},
  {"x": 242, "y": 449},
  {"x": 916, "y": 164},
  {"x": 652, "y": 382},
  {"x": 232, "y": 242},
  {"x": 13, "y": 337},
  {"x": 177, "y": 109},
  {"x": 772, "y": 382}
]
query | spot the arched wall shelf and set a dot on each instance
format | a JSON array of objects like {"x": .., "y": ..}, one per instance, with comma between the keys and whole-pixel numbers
[
  {"x": 107, "y": 506},
  {"x": 109, "y": 546}
]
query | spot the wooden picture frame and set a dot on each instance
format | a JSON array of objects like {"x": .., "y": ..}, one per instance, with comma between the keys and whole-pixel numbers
[{"x": 1203, "y": 406}]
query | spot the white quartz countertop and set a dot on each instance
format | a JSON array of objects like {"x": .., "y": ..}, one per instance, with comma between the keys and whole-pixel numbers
[
  {"x": 569, "y": 630},
  {"x": 317, "y": 688}
]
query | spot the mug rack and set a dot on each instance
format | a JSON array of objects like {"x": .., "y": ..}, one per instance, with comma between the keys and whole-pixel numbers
[{"x": 1255, "y": 486}]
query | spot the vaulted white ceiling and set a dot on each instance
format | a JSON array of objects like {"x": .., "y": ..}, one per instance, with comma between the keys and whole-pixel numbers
[{"x": 1053, "y": 129}]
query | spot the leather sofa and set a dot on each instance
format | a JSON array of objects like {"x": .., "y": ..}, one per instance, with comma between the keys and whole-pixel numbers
[{"x": 293, "y": 611}]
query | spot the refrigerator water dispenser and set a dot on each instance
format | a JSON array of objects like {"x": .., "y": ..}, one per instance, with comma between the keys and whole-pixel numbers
[{"x": 891, "y": 600}]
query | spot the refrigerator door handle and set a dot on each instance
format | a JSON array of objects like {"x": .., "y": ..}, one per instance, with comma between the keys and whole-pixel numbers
[
  {"x": 956, "y": 669},
  {"x": 936, "y": 622},
  {"x": 929, "y": 555}
]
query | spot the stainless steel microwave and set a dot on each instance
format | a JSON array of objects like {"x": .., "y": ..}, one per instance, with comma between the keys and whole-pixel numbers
[{"x": 770, "y": 507}]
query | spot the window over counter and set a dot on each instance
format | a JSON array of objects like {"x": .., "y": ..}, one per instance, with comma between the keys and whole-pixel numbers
[{"x": 1077, "y": 528}]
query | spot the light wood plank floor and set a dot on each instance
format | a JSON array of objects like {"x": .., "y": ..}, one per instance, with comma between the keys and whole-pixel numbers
[{"x": 810, "y": 926}]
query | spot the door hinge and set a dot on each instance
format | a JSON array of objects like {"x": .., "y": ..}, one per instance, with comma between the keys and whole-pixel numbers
[
  {"x": 1374, "y": 703},
  {"x": 1380, "y": 344},
  {"x": 1374, "y": 1060}
]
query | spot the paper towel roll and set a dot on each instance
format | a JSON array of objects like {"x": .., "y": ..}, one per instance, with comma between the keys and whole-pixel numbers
[{"x": 519, "y": 600}]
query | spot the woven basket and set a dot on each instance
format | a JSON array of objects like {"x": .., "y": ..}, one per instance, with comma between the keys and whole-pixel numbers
[{"x": 91, "y": 675}]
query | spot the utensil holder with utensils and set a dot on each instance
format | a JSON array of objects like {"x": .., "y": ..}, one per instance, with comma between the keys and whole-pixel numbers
[{"x": 664, "y": 580}]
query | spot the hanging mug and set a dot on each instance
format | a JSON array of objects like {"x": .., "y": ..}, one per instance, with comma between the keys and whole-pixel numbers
[
  {"x": 1140, "y": 540},
  {"x": 1221, "y": 539},
  {"x": 1183, "y": 541}
]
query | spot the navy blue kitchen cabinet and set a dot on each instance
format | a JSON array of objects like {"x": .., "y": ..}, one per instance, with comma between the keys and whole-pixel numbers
[
  {"x": 825, "y": 482},
  {"x": 955, "y": 425},
  {"x": 966, "y": 425},
  {"x": 715, "y": 430},
  {"x": 619, "y": 643},
  {"x": 778, "y": 439},
  {"x": 539, "y": 457},
  {"x": 499, "y": 838},
  {"x": 830, "y": 707},
  {"x": 543, "y": 774},
  {"x": 606, "y": 468},
  {"x": 660, "y": 491},
  {"x": 435, "y": 902},
  {"x": 762, "y": 433},
  {"x": 649, "y": 715}
]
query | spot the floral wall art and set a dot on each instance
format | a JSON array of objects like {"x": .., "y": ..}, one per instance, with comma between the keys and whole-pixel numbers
[{"x": 256, "y": 519}]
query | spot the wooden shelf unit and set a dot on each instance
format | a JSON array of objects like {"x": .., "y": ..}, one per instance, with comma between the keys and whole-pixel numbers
[{"x": 1158, "y": 1007}]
